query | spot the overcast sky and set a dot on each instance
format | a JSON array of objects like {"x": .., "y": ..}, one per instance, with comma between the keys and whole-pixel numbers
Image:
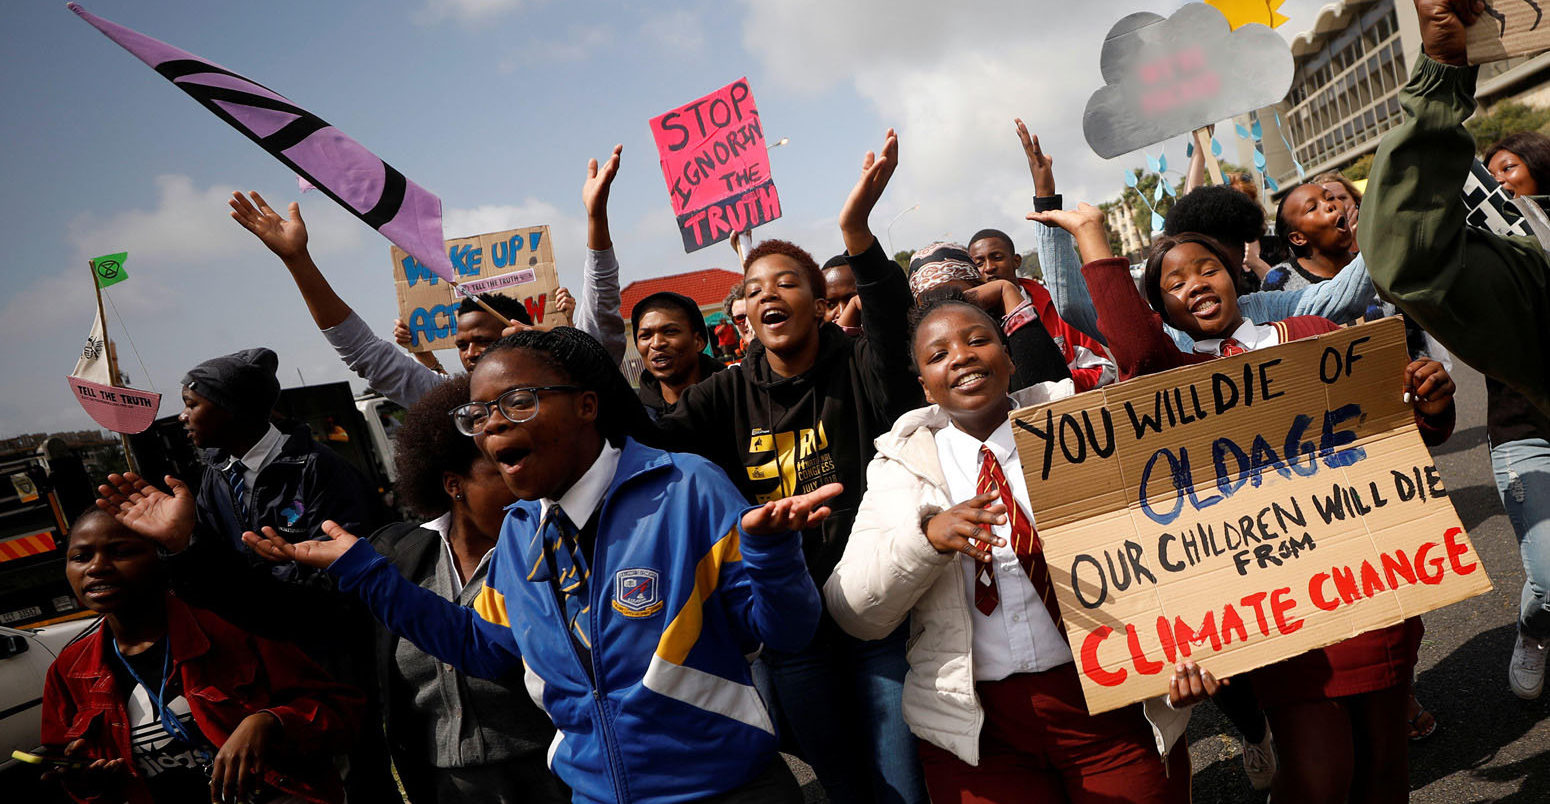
[{"x": 495, "y": 105}]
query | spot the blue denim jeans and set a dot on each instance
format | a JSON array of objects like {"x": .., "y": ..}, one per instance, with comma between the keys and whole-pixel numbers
[
  {"x": 1523, "y": 479},
  {"x": 844, "y": 701}
]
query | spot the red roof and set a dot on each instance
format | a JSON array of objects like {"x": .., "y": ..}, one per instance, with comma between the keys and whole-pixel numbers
[{"x": 708, "y": 288}]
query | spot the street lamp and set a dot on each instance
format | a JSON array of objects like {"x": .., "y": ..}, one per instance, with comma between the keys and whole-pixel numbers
[
  {"x": 780, "y": 142},
  {"x": 889, "y": 230}
]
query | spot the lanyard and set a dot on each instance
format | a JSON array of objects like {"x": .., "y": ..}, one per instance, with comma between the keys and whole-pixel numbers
[{"x": 169, "y": 721}]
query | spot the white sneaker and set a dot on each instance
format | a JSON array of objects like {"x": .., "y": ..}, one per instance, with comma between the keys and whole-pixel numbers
[
  {"x": 1526, "y": 673},
  {"x": 1259, "y": 760}
]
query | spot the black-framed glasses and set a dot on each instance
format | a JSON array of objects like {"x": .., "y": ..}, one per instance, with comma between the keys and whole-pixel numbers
[{"x": 517, "y": 405}]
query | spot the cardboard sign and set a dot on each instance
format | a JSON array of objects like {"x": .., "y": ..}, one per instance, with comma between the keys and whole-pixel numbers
[
  {"x": 1165, "y": 77},
  {"x": 1508, "y": 28},
  {"x": 518, "y": 263},
  {"x": 122, "y": 410},
  {"x": 1241, "y": 512},
  {"x": 716, "y": 166}
]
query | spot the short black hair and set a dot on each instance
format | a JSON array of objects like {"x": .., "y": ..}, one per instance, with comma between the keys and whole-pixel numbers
[
  {"x": 427, "y": 444},
  {"x": 1218, "y": 212},
  {"x": 583, "y": 362},
  {"x": 1151, "y": 276},
  {"x": 808, "y": 267},
  {"x": 937, "y": 300},
  {"x": 674, "y": 303},
  {"x": 1284, "y": 227},
  {"x": 986, "y": 234},
  {"x": 837, "y": 261},
  {"x": 509, "y": 308}
]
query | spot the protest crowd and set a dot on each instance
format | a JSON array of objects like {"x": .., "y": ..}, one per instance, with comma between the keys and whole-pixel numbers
[{"x": 807, "y": 530}]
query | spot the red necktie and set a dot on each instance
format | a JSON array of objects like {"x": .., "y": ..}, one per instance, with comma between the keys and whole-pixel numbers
[
  {"x": 1025, "y": 543},
  {"x": 1231, "y": 347}
]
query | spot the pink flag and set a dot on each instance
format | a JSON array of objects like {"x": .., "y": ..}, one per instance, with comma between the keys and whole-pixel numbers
[{"x": 341, "y": 168}]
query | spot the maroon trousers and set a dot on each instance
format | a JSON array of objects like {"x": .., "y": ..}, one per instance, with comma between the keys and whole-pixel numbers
[{"x": 1039, "y": 744}]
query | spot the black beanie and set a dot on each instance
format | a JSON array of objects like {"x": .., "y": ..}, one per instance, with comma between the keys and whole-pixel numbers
[
  {"x": 242, "y": 382},
  {"x": 678, "y": 301}
]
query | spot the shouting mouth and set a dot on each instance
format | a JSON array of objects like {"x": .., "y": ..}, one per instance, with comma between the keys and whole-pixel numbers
[
  {"x": 970, "y": 381},
  {"x": 1205, "y": 306},
  {"x": 511, "y": 459}
]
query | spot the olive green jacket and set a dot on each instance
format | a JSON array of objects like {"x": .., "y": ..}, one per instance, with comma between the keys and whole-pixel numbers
[{"x": 1484, "y": 296}]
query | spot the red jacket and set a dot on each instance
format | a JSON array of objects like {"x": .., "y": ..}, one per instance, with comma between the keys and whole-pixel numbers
[
  {"x": 227, "y": 674},
  {"x": 1089, "y": 364}
]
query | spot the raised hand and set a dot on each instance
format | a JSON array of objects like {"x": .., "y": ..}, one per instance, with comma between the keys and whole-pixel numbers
[
  {"x": 1040, "y": 164},
  {"x": 594, "y": 196},
  {"x": 166, "y": 519},
  {"x": 401, "y": 334},
  {"x": 286, "y": 238},
  {"x": 1191, "y": 684},
  {"x": 876, "y": 170},
  {"x": 238, "y": 769},
  {"x": 564, "y": 302},
  {"x": 791, "y": 514},
  {"x": 1085, "y": 223},
  {"x": 964, "y": 527},
  {"x": 318, "y": 554},
  {"x": 1442, "y": 28}
]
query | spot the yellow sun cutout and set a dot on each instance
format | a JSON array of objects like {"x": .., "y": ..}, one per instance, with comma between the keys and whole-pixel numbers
[{"x": 1242, "y": 12}]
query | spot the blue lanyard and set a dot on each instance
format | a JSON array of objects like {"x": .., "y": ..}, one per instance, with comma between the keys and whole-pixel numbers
[{"x": 169, "y": 721}]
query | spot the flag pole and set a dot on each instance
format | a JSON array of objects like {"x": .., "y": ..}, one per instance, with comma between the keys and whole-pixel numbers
[{"x": 107, "y": 344}]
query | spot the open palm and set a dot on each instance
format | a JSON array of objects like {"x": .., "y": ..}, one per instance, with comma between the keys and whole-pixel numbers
[
  {"x": 166, "y": 519},
  {"x": 286, "y": 237},
  {"x": 318, "y": 554}
]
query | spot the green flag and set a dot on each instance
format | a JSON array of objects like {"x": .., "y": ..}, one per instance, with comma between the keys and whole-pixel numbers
[{"x": 109, "y": 269}]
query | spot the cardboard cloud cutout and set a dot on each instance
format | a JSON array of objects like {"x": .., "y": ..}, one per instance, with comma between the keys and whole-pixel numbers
[{"x": 1165, "y": 77}]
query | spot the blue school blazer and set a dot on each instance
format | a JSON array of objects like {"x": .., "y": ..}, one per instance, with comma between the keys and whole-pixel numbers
[{"x": 665, "y": 711}]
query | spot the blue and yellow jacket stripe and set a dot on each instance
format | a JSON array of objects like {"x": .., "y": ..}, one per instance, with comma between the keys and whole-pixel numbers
[{"x": 679, "y": 594}]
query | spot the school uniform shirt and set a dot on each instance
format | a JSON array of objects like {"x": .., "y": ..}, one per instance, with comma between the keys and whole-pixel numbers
[
  {"x": 255, "y": 459},
  {"x": 1018, "y": 636},
  {"x": 1249, "y": 335}
]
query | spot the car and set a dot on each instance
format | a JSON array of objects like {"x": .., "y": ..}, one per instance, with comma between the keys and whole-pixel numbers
[{"x": 25, "y": 655}]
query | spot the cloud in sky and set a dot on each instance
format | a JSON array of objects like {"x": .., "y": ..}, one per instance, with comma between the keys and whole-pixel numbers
[
  {"x": 469, "y": 11},
  {"x": 676, "y": 33}
]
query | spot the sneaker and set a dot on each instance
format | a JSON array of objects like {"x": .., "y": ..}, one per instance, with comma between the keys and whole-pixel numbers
[
  {"x": 1526, "y": 673},
  {"x": 1259, "y": 760}
]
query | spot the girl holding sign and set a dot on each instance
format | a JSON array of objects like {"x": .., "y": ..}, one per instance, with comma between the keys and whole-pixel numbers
[
  {"x": 1328, "y": 705},
  {"x": 998, "y": 703}
]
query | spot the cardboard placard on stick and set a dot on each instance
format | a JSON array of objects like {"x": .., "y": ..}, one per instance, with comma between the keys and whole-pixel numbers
[
  {"x": 1165, "y": 77},
  {"x": 1241, "y": 511},
  {"x": 519, "y": 263},
  {"x": 1508, "y": 28},
  {"x": 716, "y": 165}
]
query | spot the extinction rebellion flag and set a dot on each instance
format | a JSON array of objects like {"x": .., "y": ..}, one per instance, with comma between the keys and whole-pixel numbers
[
  {"x": 109, "y": 269},
  {"x": 343, "y": 169}
]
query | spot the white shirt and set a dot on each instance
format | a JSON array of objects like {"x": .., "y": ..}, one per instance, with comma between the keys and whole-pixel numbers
[
  {"x": 581, "y": 500},
  {"x": 1251, "y": 335},
  {"x": 1019, "y": 636},
  {"x": 443, "y": 527},
  {"x": 258, "y": 457}
]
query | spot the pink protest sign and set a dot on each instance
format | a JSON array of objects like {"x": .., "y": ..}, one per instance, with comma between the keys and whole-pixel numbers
[
  {"x": 122, "y": 410},
  {"x": 716, "y": 166}
]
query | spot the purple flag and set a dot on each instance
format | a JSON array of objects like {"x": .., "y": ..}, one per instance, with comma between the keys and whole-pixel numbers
[{"x": 404, "y": 212}]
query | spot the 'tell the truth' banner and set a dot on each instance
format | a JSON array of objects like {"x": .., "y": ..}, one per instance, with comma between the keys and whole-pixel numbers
[
  {"x": 1241, "y": 511},
  {"x": 717, "y": 166}
]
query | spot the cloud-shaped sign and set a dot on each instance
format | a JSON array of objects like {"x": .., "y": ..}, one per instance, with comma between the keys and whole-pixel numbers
[{"x": 1165, "y": 77}]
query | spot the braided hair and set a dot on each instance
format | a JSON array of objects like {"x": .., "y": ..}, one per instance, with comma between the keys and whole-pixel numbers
[{"x": 583, "y": 362}]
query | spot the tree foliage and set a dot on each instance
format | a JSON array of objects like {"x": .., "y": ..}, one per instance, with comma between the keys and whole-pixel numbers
[{"x": 1507, "y": 117}]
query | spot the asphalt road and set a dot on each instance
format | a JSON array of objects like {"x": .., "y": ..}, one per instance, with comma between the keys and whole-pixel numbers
[{"x": 1489, "y": 746}]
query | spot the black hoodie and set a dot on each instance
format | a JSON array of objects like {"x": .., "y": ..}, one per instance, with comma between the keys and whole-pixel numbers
[
  {"x": 779, "y": 436},
  {"x": 650, "y": 391}
]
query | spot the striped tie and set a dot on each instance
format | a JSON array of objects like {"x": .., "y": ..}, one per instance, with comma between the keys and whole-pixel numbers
[
  {"x": 236, "y": 477},
  {"x": 571, "y": 571},
  {"x": 1025, "y": 542}
]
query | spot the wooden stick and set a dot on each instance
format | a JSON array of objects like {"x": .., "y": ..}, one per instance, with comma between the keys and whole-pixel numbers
[
  {"x": 482, "y": 303},
  {"x": 1213, "y": 167},
  {"x": 108, "y": 350}
]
